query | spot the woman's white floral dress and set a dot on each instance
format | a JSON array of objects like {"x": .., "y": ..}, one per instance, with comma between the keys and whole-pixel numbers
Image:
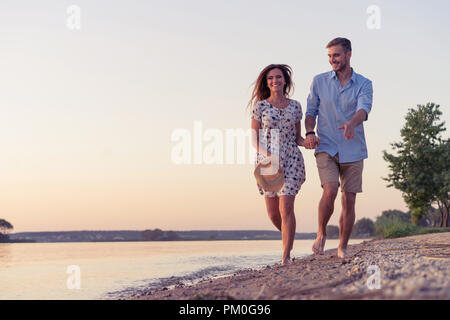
[{"x": 291, "y": 158}]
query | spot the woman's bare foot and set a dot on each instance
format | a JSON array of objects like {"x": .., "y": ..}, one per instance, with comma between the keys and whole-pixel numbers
[
  {"x": 342, "y": 253},
  {"x": 285, "y": 260},
  {"x": 319, "y": 244}
]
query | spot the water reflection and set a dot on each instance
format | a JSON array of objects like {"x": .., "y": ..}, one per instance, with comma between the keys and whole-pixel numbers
[
  {"x": 39, "y": 270},
  {"x": 5, "y": 254}
]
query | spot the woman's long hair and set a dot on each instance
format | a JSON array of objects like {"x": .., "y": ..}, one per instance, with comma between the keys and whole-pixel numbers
[{"x": 261, "y": 91}]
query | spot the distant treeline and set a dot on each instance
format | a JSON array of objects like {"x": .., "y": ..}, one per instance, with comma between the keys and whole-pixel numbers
[
  {"x": 76, "y": 236},
  {"x": 161, "y": 235},
  {"x": 150, "y": 235},
  {"x": 146, "y": 235},
  {"x": 391, "y": 223}
]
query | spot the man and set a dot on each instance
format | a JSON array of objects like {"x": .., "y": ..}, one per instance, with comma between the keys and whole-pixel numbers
[{"x": 342, "y": 100}]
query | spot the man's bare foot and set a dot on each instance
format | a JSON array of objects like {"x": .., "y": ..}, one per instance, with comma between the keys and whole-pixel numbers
[
  {"x": 342, "y": 253},
  {"x": 319, "y": 244}
]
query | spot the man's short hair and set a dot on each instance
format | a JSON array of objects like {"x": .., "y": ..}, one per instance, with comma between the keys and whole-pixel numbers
[{"x": 345, "y": 43}]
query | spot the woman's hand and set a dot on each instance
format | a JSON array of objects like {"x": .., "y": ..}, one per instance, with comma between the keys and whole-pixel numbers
[
  {"x": 267, "y": 158},
  {"x": 271, "y": 165},
  {"x": 300, "y": 141}
]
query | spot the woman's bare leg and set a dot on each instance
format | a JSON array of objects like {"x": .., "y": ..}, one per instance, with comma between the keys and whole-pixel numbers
[
  {"x": 288, "y": 225},
  {"x": 273, "y": 210}
]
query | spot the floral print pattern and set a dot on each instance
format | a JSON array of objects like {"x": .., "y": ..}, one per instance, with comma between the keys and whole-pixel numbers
[{"x": 291, "y": 158}]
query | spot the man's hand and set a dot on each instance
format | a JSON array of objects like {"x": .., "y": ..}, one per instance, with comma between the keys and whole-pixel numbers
[
  {"x": 311, "y": 141},
  {"x": 349, "y": 130},
  {"x": 349, "y": 127}
]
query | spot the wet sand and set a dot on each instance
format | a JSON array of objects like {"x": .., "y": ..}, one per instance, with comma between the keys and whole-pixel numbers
[{"x": 416, "y": 267}]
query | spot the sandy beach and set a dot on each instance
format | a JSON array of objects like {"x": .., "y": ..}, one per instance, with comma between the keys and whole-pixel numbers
[{"x": 416, "y": 267}]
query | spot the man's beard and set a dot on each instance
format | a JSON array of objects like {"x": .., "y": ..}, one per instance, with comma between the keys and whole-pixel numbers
[{"x": 342, "y": 67}]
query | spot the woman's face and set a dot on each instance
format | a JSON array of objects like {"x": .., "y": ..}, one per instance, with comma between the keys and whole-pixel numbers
[{"x": 276, "y": 81}]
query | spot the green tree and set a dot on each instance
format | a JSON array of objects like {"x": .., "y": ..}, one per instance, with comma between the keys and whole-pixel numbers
[
  {"x": 396, "y": 214},
  {"x": 435, "y": 216},
  {"x": 152, "y": 235},
  {"x": 332, "y": 232},
  {"x": 364, "y": 227},
  {"x": 420, "y": 168},
  {"x": 393, "y": 226},
  {"x": 5, "y": 228},
  {"x": 172, "y": 236},
  {"x": 441, "y": 181}
]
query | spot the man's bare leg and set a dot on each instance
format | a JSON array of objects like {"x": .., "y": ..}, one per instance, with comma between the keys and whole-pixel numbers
[
  {"x": 288, "y": 225},
  {"x": 326, "y": 208},
  {"x": 346, "y": 222}
]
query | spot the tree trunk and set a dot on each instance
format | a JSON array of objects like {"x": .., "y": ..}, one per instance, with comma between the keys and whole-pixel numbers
[
  {"x": 432, "y": 216},
  {"x": 444, "y": 223},
  {"x": 441, "y": 212},
  {"x": 443, "y": 209},
  {"x": 446, "y": 216}
]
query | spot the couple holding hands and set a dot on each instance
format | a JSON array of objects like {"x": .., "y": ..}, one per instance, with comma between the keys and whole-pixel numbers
[{"x": 340, "y": 100}]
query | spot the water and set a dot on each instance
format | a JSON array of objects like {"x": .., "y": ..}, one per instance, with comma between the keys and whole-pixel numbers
[{"x": 113, "y": 270}]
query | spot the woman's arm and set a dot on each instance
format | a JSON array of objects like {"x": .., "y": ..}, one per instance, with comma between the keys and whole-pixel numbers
[{"x": 255, "y": 126}]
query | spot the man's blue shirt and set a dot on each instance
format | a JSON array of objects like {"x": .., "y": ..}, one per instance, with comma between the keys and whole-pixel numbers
[{"x": 335, "y": 106}]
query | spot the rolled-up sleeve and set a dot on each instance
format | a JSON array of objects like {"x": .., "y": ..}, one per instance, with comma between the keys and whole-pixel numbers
[
  {"x": 365, "y": 98},
  {"x": 313, "y": 101}
]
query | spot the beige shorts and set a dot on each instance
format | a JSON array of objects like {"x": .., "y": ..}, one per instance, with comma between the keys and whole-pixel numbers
[{"x": 330, "y": 170}]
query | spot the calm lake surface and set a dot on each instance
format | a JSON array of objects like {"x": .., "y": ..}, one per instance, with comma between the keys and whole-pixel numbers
[{"x": 113, "y": 270}]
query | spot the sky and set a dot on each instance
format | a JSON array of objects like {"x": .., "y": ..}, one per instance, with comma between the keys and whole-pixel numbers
[{"x": 92, "y": 96}]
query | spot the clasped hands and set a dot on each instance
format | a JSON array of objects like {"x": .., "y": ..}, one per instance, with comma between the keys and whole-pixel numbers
[{"x": 311, "y": 141}]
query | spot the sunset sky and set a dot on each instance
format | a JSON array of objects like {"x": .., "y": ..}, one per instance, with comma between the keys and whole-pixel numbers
[{"x": 88, "y": 114}]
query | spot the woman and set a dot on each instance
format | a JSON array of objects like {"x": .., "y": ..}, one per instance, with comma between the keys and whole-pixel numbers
[{"x": 272, "y": 109}]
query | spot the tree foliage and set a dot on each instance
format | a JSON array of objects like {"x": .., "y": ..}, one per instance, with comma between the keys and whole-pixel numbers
[
  {"x": 393, "y": 226},
  {"x": 396, "y": 214},
  {"x": 152, "y": 235},
  {"x": 159, "y": 235},
  {"x": 364, "y": 227},
  {"x": 332, "y": 232},
  {"x": 420, "y": 167},
  {"x": 5, "y": 227}
]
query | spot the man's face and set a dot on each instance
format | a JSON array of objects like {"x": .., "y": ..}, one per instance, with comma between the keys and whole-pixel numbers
[{"x": 338, "y": 58}]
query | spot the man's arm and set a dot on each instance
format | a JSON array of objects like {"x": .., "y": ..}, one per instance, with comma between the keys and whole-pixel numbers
[
  {"x": 365, "y": 98},
  {"x": 313, "y": 102},
  {"x": 362, "y": 111},
  {"x": 349, "y": 127},
  {"x": 310, "y": 123}
]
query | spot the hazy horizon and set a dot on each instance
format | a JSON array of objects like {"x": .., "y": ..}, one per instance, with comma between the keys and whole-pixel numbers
[
  {"x": 101, "y": 230},
  {"x": 89, "y": 112}
]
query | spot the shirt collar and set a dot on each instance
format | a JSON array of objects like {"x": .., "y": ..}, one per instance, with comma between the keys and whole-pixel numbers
[
  {"x": 334, "y": 76},
  {"x": 353, "y": 78}
]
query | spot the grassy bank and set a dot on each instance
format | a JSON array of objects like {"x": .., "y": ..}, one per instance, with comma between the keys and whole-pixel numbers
[{"x": 396, "y": 228}]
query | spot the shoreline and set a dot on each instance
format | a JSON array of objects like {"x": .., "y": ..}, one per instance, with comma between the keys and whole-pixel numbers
[{"x": 415, "y": 267}]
